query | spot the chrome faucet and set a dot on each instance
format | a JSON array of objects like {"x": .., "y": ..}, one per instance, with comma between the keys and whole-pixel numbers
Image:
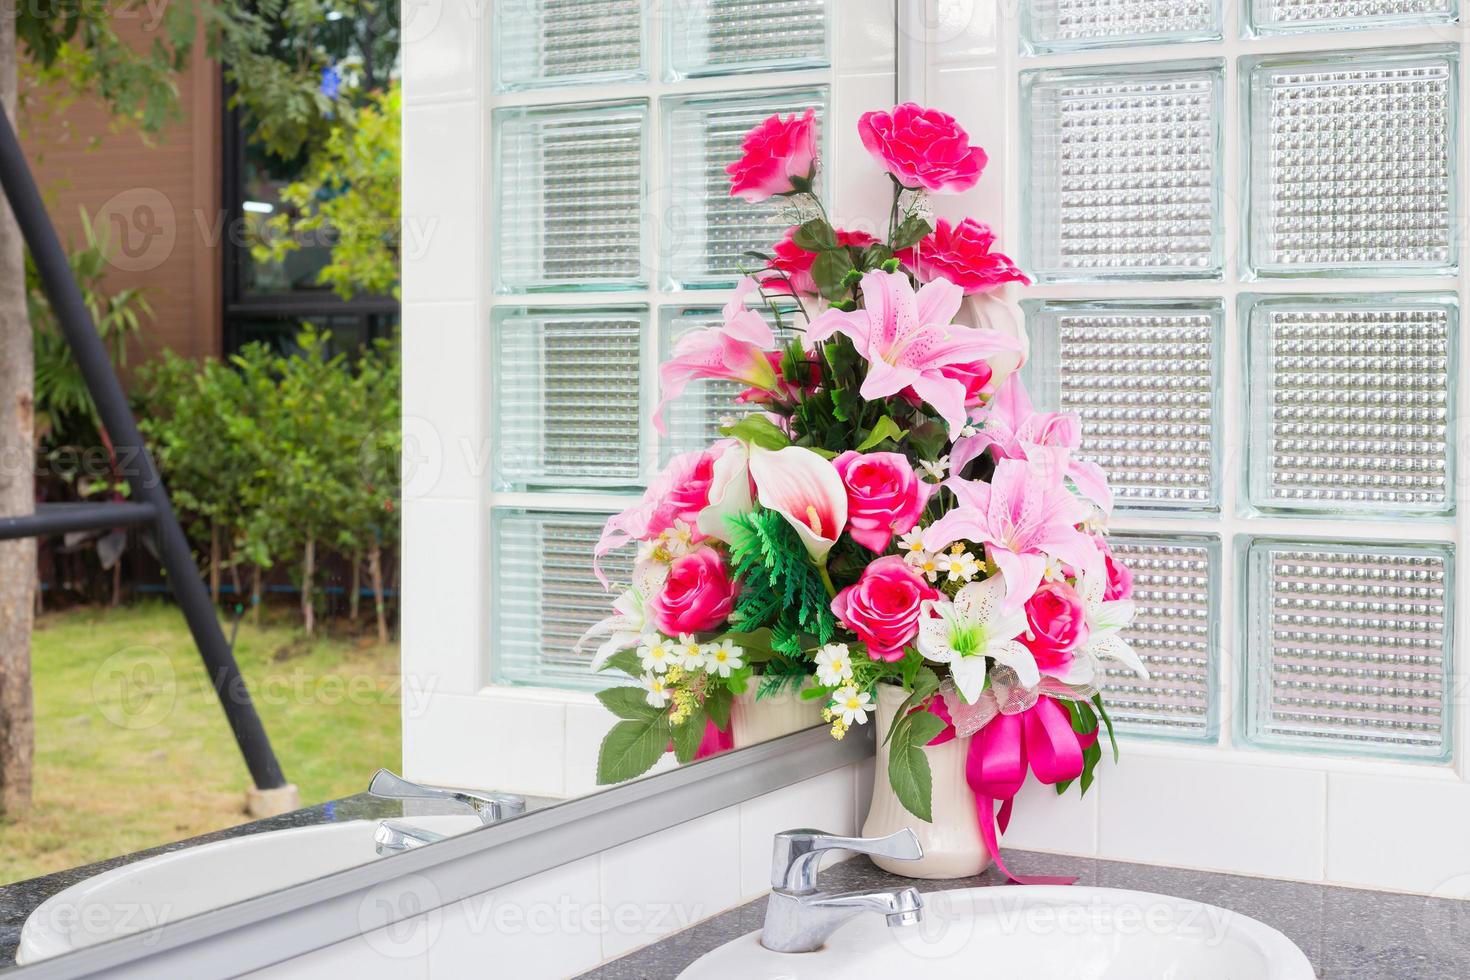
[
  {"x": 393, "y": 836},
  {"x": 799, "y": 918}
]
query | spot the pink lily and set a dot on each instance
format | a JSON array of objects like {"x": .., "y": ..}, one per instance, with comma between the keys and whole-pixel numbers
[
  {"x": 1011, "y": 426},
  {"x": 805, "y": 489},
  {"x": 735, "y": 351},
  {"x": 907, "y": 338},
  {"x": 1024, "y": 516}
]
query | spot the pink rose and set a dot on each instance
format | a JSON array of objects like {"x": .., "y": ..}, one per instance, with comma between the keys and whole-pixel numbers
[
  {"x": 796, "y": 262},
  {"x": 883, "y": 607},
  {"x": 962, "y": 254},
  {"x": 1056, "y": 626},
  {"x": 697, "y": 596},
  {"x": 923, "y": 148},
  {"x": 778, "y": 153},
  {"x": 884, "y": 497},
  {"x": 1120, "y": 576}
]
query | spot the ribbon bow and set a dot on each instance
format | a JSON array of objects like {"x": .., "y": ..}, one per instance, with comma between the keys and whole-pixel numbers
[{"x": 1040, "y": 738}]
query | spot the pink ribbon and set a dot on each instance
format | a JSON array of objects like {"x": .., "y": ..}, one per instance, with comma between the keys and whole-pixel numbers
[
  {"x": 714, "y": 741},
  {"x": 1040, "y": 739}
]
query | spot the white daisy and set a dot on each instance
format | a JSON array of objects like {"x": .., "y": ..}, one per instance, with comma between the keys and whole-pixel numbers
[
  {"x": 690, "y": 652},
  {"x": 911, "y": 543},
  {"x": 723, "y": 657},
  {"x": 655, "y": 685},
  {"x": 851, "y": 706},
  {"x": 958, "y": 564},
  {"x": 657, "y": 654},
  {"x": 973, "y": 627},
  {"x": 935, "y": 468},
  {"x": 834, "y": 665}
]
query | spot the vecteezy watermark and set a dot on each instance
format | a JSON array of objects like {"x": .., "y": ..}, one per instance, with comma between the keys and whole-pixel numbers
[
  {"x": 135, "y": 688},
  {"x": 563, "y": 916},
  {"x": 107, "y": 920},
  {"x": 140, "y": 228}
]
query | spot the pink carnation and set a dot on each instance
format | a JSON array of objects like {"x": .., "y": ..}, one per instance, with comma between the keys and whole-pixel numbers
[
  {"x": 923, "y": 148},
  {"x": 796, "y": 262},
  {"x": 962, "y": 254},
  {"x": 883, "y": 607},
  {"x": 778, "y": 152},
  {"x": 1056, "y": 627},
  {"x": 697, "y": 596},
  {"x": 884, "y": 496}
]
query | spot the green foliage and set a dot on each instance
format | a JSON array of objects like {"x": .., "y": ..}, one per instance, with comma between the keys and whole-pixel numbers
[
  {"x": 780, "y": 587},
  {"x": 1085, "y": 722},
  {"x": 349, "y": 194},
  {"x": 281, "y": 452},
  {"x": 908, "y": 768},
  {"x": 64, "y": 409}
]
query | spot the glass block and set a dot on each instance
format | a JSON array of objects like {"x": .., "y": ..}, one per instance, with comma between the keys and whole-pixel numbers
[
  {"x": 567, "y": 404},
  {"x": 1142, "y": 376},
  {"x": 1071, "y": 25},
  {"x": 1176, "y": 583},
  {"x": 546, "y": 596},
  {"x": 705, "y": 231},
  {"x": 1347, "y": 647},
  {"x": 1283, "y": 16},
  {"x": 718, "y": 37},
  {"x": 1351, "y": 164},
  {"x": 569, "y": 191},
  {"x": 1351, "y": 409},
  {"x": 540, "y": 43},
  {"x": 694, "y": 418},
  {"x": 1125, "y": 172}
]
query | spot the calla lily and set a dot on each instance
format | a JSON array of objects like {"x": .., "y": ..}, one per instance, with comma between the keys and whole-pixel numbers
[
  {"x": 729, "y": 491},
  {"x": 805, "y": 489},
  {"x": 1023, "y": 517},
  {"x": 735, "y": 351},
  {"x": 908, "y": 337}
]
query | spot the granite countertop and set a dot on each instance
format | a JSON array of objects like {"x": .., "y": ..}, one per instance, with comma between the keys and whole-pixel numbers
[
  {"x": 19, "y": 900},
  {"x": 1348, "y": 934}
]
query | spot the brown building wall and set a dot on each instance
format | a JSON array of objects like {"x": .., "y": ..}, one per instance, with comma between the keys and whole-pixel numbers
[{"x": 159, "y": 198}]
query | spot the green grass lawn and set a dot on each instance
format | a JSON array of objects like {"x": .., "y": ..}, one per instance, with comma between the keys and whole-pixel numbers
[{"x": 132, "y": 748}]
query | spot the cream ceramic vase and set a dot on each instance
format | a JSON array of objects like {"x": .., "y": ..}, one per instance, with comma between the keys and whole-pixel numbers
[
  {"x": 753, "y": 721},
  {"x": 951, "y": 843}
]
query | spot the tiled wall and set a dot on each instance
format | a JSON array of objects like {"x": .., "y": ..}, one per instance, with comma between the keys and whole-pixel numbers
[{"x": 569, "y": 919}]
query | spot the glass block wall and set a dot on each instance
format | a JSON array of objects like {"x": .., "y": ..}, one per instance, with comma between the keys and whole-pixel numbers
[
  {"x": 611, "y": 232},
  {"x": 1249, "y": 275}
]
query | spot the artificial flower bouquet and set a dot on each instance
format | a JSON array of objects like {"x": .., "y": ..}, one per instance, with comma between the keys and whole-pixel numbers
[{"x": 894, "y": 511}]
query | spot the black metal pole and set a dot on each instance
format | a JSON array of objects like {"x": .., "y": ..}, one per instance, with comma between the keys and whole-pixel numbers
[{"x": 117, "y": 416}]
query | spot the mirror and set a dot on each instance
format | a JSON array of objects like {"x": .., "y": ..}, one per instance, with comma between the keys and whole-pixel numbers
[{"x": 396, "y": 522}]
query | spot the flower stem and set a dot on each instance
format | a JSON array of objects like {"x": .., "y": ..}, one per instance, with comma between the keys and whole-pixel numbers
[{"x": 827, "y": 579}]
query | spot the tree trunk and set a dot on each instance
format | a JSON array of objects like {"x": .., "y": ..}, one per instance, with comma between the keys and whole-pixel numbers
[
  {"x": 214, "y": 562},
  {"x": 17, "y": 485},
  {"x": 354, "y": 602},
  {"x": 308, "y": 572},
  {"x": 375, "y": 571}
]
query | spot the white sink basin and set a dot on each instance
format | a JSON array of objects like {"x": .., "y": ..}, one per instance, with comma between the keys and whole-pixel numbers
[
  {"x": 1037, "y": 932},
  {"x": 147, "y": 894}
]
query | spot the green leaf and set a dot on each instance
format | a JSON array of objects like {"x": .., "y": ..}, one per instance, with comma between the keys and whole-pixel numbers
[
  {"x": 628, "y": 702},
  {"x": 1102, "y": 712},
  {"x": 885, "y": 429},
  {"x": 815, "y": 236},
  {"x": 717, "y": 706},
  {"x": 1090, "y": 757},
  {"x": 910, "y": 232},
  {"x": 625, "y": 660},
  {"x": 928, "y": 440},
  {"x": 909, "y": 775},
  {"x": 687, "y": 736},
  {"x": 757, "y": 645},
  {"x": 924, "y": 683},
  {"x": 828, "y": 272},
  {"x": 925, "y": 727},
  {"x": 631, "y": 748},
  {"x": 757, "y": 430}
]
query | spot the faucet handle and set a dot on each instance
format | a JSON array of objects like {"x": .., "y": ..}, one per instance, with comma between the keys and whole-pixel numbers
[
  {"x": 490, "y": 807},
  {"x": 797, "y": 853}
]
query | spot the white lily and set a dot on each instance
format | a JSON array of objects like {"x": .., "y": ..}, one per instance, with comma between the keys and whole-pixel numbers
[
  {"x": 628, "y": 624},
  {"x": 973, "y": 627},
  {"x": 805, "y": 489},
  {"x": 1106, "y": 621}
]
